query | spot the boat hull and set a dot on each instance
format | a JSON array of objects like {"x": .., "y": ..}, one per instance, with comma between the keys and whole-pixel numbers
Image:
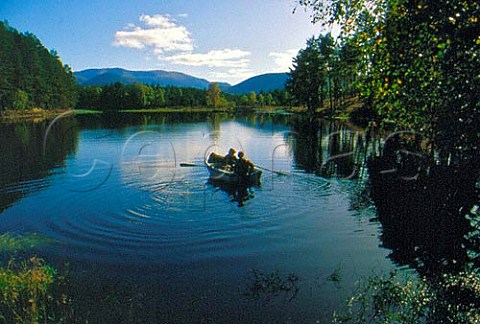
[
  {"x": 229, "y": 177},
  {"x": 219, "y": 174}
]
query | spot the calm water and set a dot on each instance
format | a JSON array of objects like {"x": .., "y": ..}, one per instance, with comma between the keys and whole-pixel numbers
[{"x": 120, "y": 209}]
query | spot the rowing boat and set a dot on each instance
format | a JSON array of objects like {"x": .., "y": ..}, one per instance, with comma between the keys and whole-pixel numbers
[{"x": 218, "y": 172}]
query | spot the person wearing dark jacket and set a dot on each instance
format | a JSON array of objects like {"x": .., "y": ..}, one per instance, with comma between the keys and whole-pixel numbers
[
  {"x": 243, "y": 168},
  {"x": 230, "y": 160}
]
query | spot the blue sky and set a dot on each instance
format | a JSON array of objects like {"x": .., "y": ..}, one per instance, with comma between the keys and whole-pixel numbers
[{"x": 212, "y": 39}]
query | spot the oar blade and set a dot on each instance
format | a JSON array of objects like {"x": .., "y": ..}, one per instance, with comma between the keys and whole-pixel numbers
[{"x": 188, "y": 164}]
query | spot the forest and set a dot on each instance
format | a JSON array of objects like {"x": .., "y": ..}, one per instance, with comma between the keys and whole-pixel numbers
[
  {"x": 413, "y": 70},
  {"x": 32, "y": 76},
  {"x": 118, "y": 96},
  {"x": 413, "y": 64},
  {"x": 408, "y": 63},
  {"x": 416, "y": 74}
]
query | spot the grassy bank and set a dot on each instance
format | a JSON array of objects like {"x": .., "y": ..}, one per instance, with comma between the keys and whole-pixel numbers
[
  {"x": 34, "y": 114},
  {"x": 31, "y": 290},
  {"x": 344, "y": 111},
  {"x": 87, "y": 112},
  {"x": 39, "y": 115},
  {"x": 176, "y": 110}
]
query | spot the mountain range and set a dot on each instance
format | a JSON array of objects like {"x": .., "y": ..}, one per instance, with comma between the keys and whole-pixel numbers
[{"x": 265, "y": 82}]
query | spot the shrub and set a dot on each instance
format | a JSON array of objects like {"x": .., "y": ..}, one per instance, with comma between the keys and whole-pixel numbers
[{"x": 454, "y": 298}]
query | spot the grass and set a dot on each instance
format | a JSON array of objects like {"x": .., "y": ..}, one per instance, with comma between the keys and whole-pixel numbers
[
  {"x": 87, "y": 112},
  {"x": 37, "y": 114},
  {"x": 269, "y": 109},
  {"x": 175, "y": 110},
  {"x": 34, "y": 114},
  {"x": 25, "y": 290},
  {"x": 11, "y": 243},
  {"x": 31, "y": 290}
]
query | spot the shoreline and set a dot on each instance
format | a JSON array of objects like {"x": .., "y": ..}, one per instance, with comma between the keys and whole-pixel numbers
[
  {"x": 344, "y": 112},
  {"x": 34, "y": 115}
]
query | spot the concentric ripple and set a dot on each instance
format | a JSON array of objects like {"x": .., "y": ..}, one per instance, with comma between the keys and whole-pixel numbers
[{"x": 125, "y": 199}]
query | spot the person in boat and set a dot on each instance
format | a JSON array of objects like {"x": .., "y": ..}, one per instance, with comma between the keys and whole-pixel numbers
[
  {"x": 230, "y": 160},
  {"x": 243, "y": 168}
]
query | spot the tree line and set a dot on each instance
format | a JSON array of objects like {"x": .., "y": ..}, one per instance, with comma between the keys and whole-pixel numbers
[
  {"x": 31, "y": 76},
  {"x": 119, "y": 96},
  {"x": 323, "y": 74},
  {"x": 413, "y": 63}
]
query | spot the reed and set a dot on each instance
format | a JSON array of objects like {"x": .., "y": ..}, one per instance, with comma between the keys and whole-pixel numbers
[{"x": 31, "y": 290}]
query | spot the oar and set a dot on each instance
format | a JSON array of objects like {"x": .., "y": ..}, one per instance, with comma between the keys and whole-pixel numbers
[
  {"x": 273, "y": 171},
  {"x": 188, "y": 165}
]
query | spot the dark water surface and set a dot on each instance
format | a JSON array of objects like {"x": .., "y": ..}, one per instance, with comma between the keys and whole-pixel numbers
[{"x": 123, "y": 213}]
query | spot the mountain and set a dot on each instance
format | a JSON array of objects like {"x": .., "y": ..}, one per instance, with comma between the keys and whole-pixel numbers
[
  {"x": 265, "y": 82},
  {"x": 224, "y": 86},
  {"x": 163, "y": 78}
]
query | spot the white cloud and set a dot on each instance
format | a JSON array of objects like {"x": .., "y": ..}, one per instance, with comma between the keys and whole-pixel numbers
[
  {"x": 283, "y": 60},
  {"x": 226, "y": 58},
  {"x": 233, "y": 74},
  {"x": 161, "y": 33},
  {"x": 163, "y": 21},
  {"x": 172, "y": 43}
]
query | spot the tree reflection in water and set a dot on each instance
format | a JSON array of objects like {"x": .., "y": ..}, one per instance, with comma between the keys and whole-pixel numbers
[
  {"x": 427, "y": 209},
  {"x": 25, "y": 158}
]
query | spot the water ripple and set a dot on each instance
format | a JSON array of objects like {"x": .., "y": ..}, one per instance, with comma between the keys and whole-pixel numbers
[{"x": 148, "y": 208}]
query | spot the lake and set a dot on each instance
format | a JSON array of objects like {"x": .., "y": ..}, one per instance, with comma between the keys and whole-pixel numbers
[{"x": 163, "y": 243}]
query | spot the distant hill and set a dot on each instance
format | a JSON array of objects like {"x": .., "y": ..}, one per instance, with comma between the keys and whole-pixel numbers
[
  {"x": 265, "y": 82},
  {"x": 224, "y": 85},
  {"x": 163, "y": 78}
]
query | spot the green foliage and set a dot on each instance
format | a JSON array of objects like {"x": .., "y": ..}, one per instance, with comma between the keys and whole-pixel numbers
[
  {"x": 261, "y": 99},
  {"x": 30, "y": 75},
  {"x": 387, "y": 299},
  {"x": 454, "y": 298},
  {"x": 415, "y": 65},
  {"x": 88, "y": 97},
  {"x": 31, "y": 291},
  {"x": 20, "y": 100},
  {"x": 252, "y": 98},
  {"x": 244, "y": 100},
  {"x": 320, "y": 72},
  {"x": 269, "y": 100},
  {"x": 213, "y": 95},
  {"x": 464, "y": 288},
  {"x": 25, "y": 289},
  {"x": 308, "y": 78},
  {"x": 117, "y": 96}
]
